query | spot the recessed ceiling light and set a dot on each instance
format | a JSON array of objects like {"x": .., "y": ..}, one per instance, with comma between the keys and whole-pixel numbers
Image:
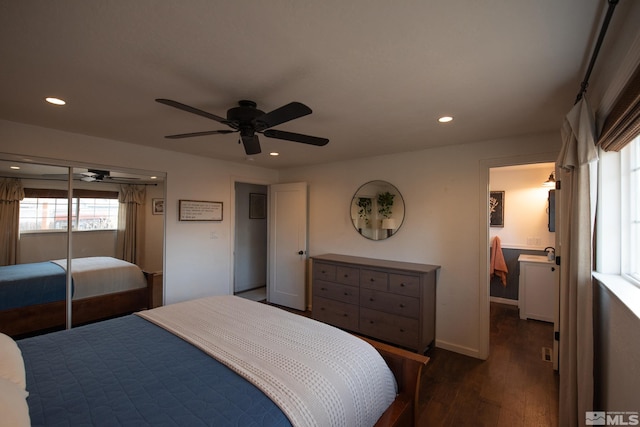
[
  {"x": 153, "y": 177},
  {"x": 55, "y": 101},
  {"x": 14, "y": 167},
  {"x": 273, "y": 153},
  {"x": 445, "y": 119}
]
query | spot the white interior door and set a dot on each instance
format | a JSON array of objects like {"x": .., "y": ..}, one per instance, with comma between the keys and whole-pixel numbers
[{"x": 287, "y": 244}]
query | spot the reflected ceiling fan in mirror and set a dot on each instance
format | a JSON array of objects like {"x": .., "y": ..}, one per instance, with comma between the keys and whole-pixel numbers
[
  {"x": 96, "y": 175},
  {"x": 248, "y": 120}
]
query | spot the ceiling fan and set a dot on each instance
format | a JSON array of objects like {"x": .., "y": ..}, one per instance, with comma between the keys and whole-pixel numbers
[
  {"x": 96, "y": 175},
  {"x": 249, "y": 121}
]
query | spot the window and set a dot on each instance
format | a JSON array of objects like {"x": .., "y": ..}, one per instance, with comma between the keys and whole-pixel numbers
[
  {"x": 45, "y": 210},
  {"x": 630, "y": 156}
]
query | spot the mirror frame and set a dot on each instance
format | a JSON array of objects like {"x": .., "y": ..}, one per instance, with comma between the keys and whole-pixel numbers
[{"x": 371, "y": 215}]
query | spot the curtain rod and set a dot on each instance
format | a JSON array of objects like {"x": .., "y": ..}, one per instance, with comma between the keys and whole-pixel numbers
[{"x": 596, "y": 50}]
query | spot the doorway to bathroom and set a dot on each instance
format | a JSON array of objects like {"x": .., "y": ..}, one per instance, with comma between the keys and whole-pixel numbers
[{"x": 521, "y": 241}]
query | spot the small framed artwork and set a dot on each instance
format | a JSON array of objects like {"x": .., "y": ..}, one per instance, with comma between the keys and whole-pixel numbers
[
  {"x": 199, "y": 210},
  {"x": 257, "y": 206},
  {"x": 157, "y": 206},
  {"x": 496, "y": 208}
]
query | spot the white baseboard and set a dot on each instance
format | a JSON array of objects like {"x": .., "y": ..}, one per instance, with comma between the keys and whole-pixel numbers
[
  {"x": 472, "y": 352},
  {"x": 504, "y": 300}
]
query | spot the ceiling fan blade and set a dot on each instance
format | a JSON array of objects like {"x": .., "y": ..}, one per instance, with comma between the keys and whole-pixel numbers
[
  {"x": 207, "y": 132},
  {"x": 280, "y": 115},
  {"x": 193, "y": 110},
  {"x": 251, "y": 144},
  {"x": 296, "y": 137}
]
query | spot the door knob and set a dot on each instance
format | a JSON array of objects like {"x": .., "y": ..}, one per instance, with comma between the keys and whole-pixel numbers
[{"x": 300, "y": 252}]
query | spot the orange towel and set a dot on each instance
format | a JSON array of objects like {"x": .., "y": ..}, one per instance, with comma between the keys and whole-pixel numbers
[{"x": 498, "y": 265}]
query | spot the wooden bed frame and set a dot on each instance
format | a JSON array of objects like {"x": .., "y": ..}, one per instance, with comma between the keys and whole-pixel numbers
[
  {"x": 407, "y": 369},
  {"x": 44, "y": 317}
]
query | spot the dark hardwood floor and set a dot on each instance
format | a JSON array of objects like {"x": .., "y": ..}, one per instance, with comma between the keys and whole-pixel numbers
[{"x": 513, "y": 387}]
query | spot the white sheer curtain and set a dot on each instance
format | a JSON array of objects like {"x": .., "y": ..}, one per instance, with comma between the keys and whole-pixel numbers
[
  {"x": 11, "y": 192},
  {"x": 131, "y": 222},
  {"x": 577, "y": 169}
]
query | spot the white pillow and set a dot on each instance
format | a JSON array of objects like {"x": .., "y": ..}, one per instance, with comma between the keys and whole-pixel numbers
[
  {"x": 13, "y": 405},
  {"x": 11, "y": 362}
]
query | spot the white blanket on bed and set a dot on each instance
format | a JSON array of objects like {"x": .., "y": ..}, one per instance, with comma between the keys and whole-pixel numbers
[
  {"x": 317, "y": 374},
  {"x": 102, "y": 275}
]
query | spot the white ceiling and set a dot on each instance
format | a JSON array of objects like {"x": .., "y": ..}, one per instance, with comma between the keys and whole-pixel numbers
[{"x": 377, "y": 74}]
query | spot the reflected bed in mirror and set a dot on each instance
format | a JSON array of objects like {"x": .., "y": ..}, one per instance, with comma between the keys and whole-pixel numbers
[
  {"x": 377, "y": 210},
  {"x": 113, "y": 231}
]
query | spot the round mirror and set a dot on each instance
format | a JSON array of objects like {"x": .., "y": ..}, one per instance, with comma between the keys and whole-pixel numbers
[{"x": 377, "y": 210}]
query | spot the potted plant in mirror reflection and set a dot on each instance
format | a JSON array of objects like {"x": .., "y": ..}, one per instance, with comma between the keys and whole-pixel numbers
[
  {"x": 364, "y": 210},
  {"x": 385, "y": 203}
]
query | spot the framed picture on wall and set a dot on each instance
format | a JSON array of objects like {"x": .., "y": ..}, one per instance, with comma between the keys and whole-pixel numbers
[
  {"x": 257, "y": 206},
  {"x": 496, "y": 208},
  {"x": 157, "y": 206}
]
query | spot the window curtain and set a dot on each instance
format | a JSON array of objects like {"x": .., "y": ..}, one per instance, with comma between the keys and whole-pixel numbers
[
  {"x": 11, "y": 192},
  {"x": 623, "y": 122},
  {"x": 577, "y": 169},
  {"x": 131, "y": 222}
]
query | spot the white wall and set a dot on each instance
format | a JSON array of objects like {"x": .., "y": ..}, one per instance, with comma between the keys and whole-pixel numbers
[
  {"x": 442, "y": 194},
  {"x": 525, "y": 206},
  {"x": 197, "y": 259}
]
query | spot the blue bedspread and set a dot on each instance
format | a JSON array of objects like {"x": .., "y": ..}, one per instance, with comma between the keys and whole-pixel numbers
[
  {"x": 127, "y": 371},
  {"x": 22, "y": 285}
]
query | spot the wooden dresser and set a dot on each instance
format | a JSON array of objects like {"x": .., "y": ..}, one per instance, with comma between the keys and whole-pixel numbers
[{"x": 390, "y": 301}]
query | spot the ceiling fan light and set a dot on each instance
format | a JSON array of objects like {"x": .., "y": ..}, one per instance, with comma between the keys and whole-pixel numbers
[
  {"x": 445, "y": 119},
  {"x": 273, "y": 153}
]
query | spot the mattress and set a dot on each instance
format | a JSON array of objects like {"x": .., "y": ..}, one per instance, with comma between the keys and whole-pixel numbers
[
  {"x": 127, "y": 371},
  {"x": 28, "y": 284}
]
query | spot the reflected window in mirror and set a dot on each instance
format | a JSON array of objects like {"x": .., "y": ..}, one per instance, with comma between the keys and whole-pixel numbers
[{"x": 377, "y": 210}]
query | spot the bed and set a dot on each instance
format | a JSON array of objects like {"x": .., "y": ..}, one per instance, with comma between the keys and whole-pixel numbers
[
  {"x": 219, "y": 361},
  {"x": 32, "y": 296}
]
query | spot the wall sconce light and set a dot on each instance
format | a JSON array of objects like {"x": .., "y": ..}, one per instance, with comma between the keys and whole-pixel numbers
[{"x": 551, "y": 181}]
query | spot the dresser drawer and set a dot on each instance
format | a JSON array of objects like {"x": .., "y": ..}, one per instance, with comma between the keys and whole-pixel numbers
[
  {"x": 348, "y": 275},
  {"x": 336, "y": 291},
  {"x": 404, "y": 284},
  {"x": 390, "y": 303},
  {"x": 336, "y": 313},
  {"x": 373, "y": 279},
  {"x": 388, "y": 327},
  {"x": 324, "y": 271}
]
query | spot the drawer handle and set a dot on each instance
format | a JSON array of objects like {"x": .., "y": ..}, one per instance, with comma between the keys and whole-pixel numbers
[
  {"x": 323, "y": 289},
  {"x": 401, "y": 305},
  {"x": 346, "y": 294},
  {"x": 372, "y": 280},
  {"x": 402, "y": 285},
  {"x": 323, "y": 271},
  {"x": 371, "y": 299},
  {"x": 371, "y": 322},
  {"x": 346, "y": 275},
  {"x": 401, "y": 330},
  {"x": 321, "y": 308}
]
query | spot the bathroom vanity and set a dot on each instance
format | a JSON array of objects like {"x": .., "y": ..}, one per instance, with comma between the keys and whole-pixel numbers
[{"x": 538, "y": 288}]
